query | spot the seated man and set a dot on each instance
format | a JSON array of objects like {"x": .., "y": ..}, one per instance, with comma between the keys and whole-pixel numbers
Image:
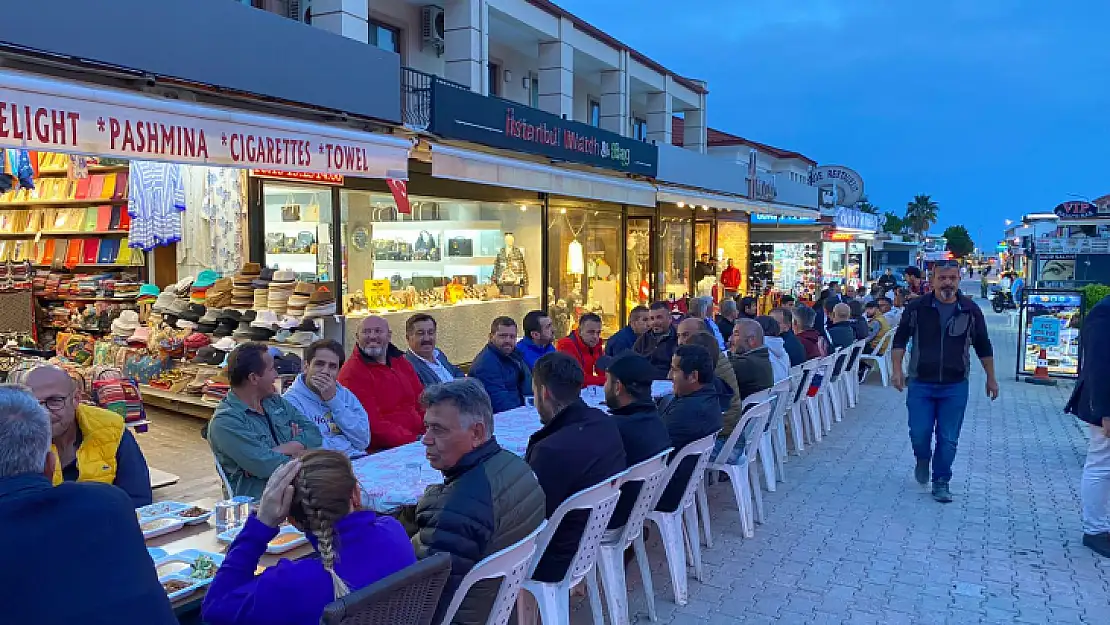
[
  {"x": 254, "y": 430},
  {"x": 539, "y": 337},
  {"x": 82, "y": 536},
  {"x": 626, "y": 337},
  {"x": 751, "y": 360},
  {"x": 431, "y": 365},
  {"x": 812, "y": 341},
  {"x": 335, "y": 410},
  {"x": 584, "y": 346},
  {"x": 501, "y": 369},
  {"x": 842, "y": 332},
  {"x": 577, "y": 447},
  {"x": 489, "y": 499},
  {"x": 92, "y": 444},
  {"x": 692, "y": 413},
  {"x": 659, "y": 342},
  {"x": 386, "y": 385},
  {"x": 776, "y": 347},
  {"x": 790, "y": 343},
  {"x": 628, "y": 379}
]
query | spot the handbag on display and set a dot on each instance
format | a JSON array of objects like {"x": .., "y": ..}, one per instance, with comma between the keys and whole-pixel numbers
[
  {"x": 465, "y": 280},
  {"x": 385, "y": 213},
  {"x": 396, "y": 282},
  {"x": 421, "y": 210},
  {"x": 423, "y": 283},
  {"x": 291, "y": 212},
  {"x": 460, "y": 247}
]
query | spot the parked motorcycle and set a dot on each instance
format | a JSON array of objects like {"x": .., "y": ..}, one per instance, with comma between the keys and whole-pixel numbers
[{"x": 1002, "y": 301}]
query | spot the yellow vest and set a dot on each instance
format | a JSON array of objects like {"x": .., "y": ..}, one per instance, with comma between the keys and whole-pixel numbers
[
  {"x": 101, "y": 432},
  {"x": 884, "y": 327}
]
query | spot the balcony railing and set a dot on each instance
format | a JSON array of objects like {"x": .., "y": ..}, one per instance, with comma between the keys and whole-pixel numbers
[{"x": 416, "y": 96}]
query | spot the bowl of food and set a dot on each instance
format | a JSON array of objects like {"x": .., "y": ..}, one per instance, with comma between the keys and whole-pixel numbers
[
  {"x": 160, "y": 509},
  {"x": 178, "y": 586},
  {"x": 288, "y": 538},
  {"x": 193, "y": 515}
]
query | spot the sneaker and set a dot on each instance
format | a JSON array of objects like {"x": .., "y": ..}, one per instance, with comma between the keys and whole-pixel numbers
[
  {"x": 1099, "y": 543},
  {"x": 921, "y": 472},
  {"x": 941, "y": 492}
]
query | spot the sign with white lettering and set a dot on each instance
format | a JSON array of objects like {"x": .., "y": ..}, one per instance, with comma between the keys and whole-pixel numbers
[
  {"x": 848, "y": 184},
  {"x": 852, "y": 219},
  {"x": 459, "y": 113},
  {"x": 61, "y": 116},
  {"x": 785, "y": 220},
  {"x": 1076, "y": 209}
]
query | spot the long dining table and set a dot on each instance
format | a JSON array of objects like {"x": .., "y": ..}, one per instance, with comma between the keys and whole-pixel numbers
[{"x": 398, "y": 477}]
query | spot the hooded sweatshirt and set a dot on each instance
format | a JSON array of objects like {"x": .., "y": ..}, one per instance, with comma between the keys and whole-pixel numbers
[
  {"x": 342, "y": 421},
  {"x": 369, "y": 548},
  {"x": 780, "y": 360}
]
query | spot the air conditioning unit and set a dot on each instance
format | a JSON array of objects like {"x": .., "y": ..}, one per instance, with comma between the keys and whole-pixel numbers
[
  {"x": 300, "y": 10},
  {"x": 431, "y": 28}
]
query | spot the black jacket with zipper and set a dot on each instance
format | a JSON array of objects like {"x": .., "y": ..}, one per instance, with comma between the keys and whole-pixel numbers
[
  {"x": 1090, "y": 401},
  {"x": 942, "y": 355}
]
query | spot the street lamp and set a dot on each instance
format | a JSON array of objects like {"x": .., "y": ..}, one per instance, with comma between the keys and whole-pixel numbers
[{"x": 1009, "y": 221}]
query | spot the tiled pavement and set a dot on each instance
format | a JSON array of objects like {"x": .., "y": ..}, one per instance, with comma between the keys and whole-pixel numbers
[{"x": 851, "y": 538}]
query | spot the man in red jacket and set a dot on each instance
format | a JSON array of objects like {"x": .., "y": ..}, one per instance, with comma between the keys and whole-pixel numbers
[
  {"x": 386, "y": 385},
  {"x": 730, "y": 279},
  {"x": 584, "y": 345}
]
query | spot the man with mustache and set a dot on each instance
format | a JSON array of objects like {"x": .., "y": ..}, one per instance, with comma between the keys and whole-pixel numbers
[
  {"x": 387, "y": 386},
  {"x": 943, "y": 325},
  {"x": 431, "y": 365}
]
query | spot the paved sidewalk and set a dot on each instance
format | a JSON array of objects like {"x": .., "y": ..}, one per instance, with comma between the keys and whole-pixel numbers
[{"x": 851, "y": 538}]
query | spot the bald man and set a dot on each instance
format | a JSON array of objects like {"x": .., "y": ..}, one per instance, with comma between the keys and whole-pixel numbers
[
  {"x": 92, "y": 444},
  {"x": 751, "y": 360},
  {"x": 387, "y": 386},
  {"x": 688, "y": 327},
  {"x": 842, "y": 332}
]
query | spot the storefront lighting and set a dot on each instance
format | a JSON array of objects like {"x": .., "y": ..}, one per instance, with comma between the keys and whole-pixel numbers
[
  {"x": 682, "y": 204},
  {"x": 523, "y": 208},
  {"x": 562, "y": 211},
  {"x": 704, "y": 207}
]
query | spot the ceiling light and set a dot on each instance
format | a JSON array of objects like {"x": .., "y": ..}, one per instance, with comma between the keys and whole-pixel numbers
[
  {"x": 682, "y": 204},
  {"x": 523, "y": 208}
]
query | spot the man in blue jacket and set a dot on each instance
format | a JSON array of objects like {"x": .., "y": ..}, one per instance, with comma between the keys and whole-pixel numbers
[
  {"x": 501, "y": 369},
  {"x": 75, "y": 553},
  {"x": 539, "y": 337},
  {"x": 626, "y": 337}
]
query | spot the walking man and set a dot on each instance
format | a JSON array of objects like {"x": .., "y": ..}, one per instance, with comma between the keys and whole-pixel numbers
[
  {"x": 1091, "y": 402},
  {"x": 944, "y": 324}
]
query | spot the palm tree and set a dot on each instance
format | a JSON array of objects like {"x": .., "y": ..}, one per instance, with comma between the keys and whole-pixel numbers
[
  {"x": 921, "y": 213},
  {"x": 865, "y": 206}
]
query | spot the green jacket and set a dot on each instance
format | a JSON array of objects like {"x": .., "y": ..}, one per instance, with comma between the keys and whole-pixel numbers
[{"x": 243, "y": 440}]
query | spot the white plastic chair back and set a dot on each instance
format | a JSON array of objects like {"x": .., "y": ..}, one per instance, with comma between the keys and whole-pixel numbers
[
  {"x": 512, "y": 564},
  {"x": 650, "y": 474},
  {"x": 780, "y": 392},
  {"x": 756, "y": 398},
  {"x": 600, "y": 500},
  {"x": 839, "y": 362},
  {"x": 853, "y": 355},
  {"x": 753, "y": 422},
  {"x": 701, "y": 447},
  {"x": 806, "y": 370},
  {"x": 223, "y": 478}
]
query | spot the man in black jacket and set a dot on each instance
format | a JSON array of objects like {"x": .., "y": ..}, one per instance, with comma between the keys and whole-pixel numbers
[
  {"x": 790, "y": 341},
  {"x": 1090, "y": 401},
  {"x": 659, "y": 342},
  {"x": 628, "y": 395},
  {"x": 944, "y": 325},
  {"x": 750, "y": 359},
  {"x": 75, "y": 553},
  {"x": 692, "y": 413},
  {"x": 577, "y": 447},
  {"x": 842, "y": 332},
  {"x": 489, "y": 498}
]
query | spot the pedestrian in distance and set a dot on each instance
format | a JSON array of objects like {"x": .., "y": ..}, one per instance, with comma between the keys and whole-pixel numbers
[{"x": 943, "y": 324}]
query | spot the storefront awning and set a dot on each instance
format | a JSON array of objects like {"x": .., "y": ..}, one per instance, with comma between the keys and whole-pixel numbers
[
  {"x": 481, "y": 168},
  {"x": 40, "y": 113},
  {"x": 782, "y": 210},
  {"x": 667, "y": 193}
]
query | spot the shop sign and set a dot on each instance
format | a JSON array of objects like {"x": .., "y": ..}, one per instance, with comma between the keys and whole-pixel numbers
[
  {"x": 458, "y": 113},
  {"x": 1064, "y": 245},
  {"x": 785, "y": 220},
  {"x": 114, "y": 124},
  {"x": 301, "y": 176},
  {"x": 1049, "y": 336},
  {"x": 1077, "y": 210},
  {"x": 764, "y": 188},
  {"x": 840, "y": 237},
  {"x": 852, "y": 219},
  {"x": 848, "y": 184}
]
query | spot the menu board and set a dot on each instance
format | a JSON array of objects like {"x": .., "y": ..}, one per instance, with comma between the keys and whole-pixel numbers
[{"x": 1049, "y": 335}]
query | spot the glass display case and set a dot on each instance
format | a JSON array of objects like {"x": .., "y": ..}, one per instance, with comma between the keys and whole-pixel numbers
[
  {"x": 298, "y": 230},
  {"x": 676, "y": 236},
  {"x": 585, "y": 252}
]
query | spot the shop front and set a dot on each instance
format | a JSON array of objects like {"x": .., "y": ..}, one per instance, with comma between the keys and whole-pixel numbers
[
  {"x": 846, "y": 254},
  {"x": 786, "y": 256}
]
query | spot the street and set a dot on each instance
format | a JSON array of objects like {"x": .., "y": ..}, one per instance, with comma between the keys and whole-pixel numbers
[{"x": 851, "y": 538}]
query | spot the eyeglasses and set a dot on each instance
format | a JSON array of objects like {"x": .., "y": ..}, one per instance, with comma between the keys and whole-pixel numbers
[{"x": 54, "y": 402}]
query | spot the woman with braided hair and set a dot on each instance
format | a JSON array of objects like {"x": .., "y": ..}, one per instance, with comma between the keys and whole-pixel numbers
[{"x": 319, "y": 495}]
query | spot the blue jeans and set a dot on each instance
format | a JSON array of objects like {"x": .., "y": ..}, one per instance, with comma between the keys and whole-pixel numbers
[{"x": 939, "y": 408}]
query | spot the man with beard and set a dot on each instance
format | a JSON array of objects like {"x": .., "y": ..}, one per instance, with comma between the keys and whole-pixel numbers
[
  {"x": 659, "y": 342},
  {"x": 335, "y": 410},
  {"x": 584, "y": 346},
  {"x": 254, "y": 430},
  {"x": 501, "y": 368},
  {"x": 943, "y": 324},
  {"x": 431, "y": 365},
  {"x": 626, "y": 337},
  {"x": 386, "y": 385}
]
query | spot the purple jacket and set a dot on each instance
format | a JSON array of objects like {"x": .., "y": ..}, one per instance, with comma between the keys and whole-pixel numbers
[{"x": 295, "y": 592}]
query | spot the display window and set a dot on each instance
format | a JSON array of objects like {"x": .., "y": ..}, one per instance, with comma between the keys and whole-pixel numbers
[
  {"x": 298, "y": 224},
  {"x": 639, "y": 277},
  {"x": 676, "y": 238},
  {"x": 585, "y": 252},
  {"x": 733, "y": 244}
]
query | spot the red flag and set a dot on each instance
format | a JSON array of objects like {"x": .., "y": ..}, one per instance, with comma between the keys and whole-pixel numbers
[{"x": 400, "y": 189}]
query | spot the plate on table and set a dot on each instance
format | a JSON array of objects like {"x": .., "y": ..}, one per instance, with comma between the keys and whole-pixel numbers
[
  {"x": 160, "y": 509},
  {"x": 179, "y": 586},
  {"x": 156, "y": 553},
  {"x": 193, "y": 515},
  {"x": 192, "y": 563},
  {"x": 158, "y": 527},
  {"x": 288, "y": 538}
]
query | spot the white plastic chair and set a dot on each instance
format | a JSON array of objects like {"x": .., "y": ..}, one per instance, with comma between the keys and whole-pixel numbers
[
  {"x": 880, "y": 358},
  {"x": 850, "y": 378},
  {"x": 777, "y": 429},
  {"x": 817, "y": 405},
  {"x": 834, "y": 390},
  {"x": 684, "y": 517},
  {"x": 614, "y": 543},
  {"x": 800, "y": 377},
  {"x": 553, "y": 598},
  {"x": 742, "y": 477},
  {"x": 764, "y": 450},
  {"x": 511, "y": 564},
  {"x": 807, "y": 407},
  {"x": 223, "y": 479}
]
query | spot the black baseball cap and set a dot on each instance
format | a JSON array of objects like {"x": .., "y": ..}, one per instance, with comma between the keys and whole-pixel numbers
[{"x": 628, "y": 368}]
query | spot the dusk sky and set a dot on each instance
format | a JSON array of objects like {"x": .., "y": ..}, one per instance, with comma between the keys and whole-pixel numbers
[{"x": 996, "y": 108}]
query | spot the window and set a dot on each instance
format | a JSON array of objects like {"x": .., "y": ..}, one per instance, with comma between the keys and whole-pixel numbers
[
  {"x": 639, "y": 129},
  {"x": 594, "y": 113},
  {"x": 385, "y": 37},
  {"x": 584, "y": 264},
  {"x": 534, "y": 90},
  {"x": 494, "y": 79}
]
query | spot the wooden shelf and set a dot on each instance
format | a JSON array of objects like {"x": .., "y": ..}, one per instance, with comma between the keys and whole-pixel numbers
[
  {"x": 76, "y": 298},
  {"x": 46, "y": 203},
  {"x": 43, "y": 234}
]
